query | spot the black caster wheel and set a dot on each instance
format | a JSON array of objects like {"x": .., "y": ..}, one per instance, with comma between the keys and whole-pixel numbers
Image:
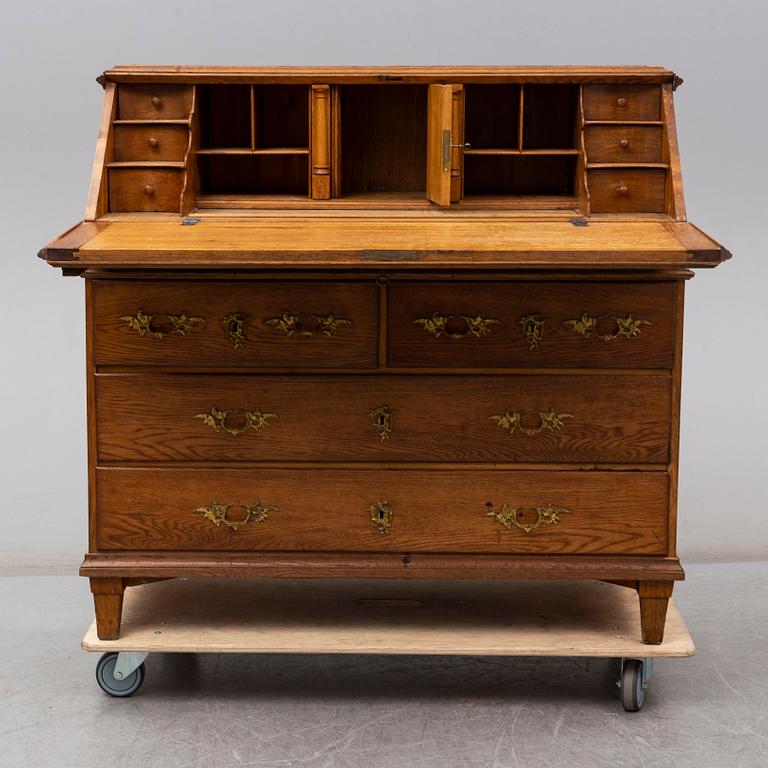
[
  {"x": 105, "y": 677},
  {"x": 633, "y": 684}
]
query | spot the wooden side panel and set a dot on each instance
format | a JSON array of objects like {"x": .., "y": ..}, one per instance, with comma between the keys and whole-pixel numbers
[
  {"x": 431, "y": 511},
  {"x": 191, "y": 186},
  {"x": 439, "y": 122},
  {"x": 320, "y": 150},
  {"x": 674, "y": 197},
  {"x": 457, "y": 139},
  {"x": 98, "y": 203}
]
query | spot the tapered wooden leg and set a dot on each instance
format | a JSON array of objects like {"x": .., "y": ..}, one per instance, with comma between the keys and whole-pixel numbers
[
  {"x": 654, "y": 598},
  {"x": 108, "y": 601}
]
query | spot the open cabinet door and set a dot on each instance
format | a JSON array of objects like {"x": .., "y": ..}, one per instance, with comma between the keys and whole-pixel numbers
[{"x": 442, "y": 134}]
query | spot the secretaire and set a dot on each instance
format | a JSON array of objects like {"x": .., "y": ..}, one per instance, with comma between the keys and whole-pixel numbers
[{"x": 418, "y": 322}]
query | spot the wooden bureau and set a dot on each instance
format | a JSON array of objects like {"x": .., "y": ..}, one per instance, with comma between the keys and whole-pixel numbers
[{"x": 392, "y": 323}]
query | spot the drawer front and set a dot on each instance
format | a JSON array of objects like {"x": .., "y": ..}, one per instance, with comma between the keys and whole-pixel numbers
[
  {"x": 531, "y": 325},
  {"x": 154, "y": 102},
  {"x": 144, "y": 189},
  {"x": 145, "y": 143},
  {"x": 627, "y": 190},
  {"x": 622, "y": 102},
  {"x": 623, "y": 143},
  {"x": 257, "y": 324},
  {"x": 373, "y": 511},
  {"x": 610, "y": 419}
]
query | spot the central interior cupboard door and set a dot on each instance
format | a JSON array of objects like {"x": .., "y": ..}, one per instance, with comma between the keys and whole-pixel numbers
[{"x": 445, "y": 117}]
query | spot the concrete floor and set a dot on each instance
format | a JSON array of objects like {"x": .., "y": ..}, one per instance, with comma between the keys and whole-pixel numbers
[{"x": 275, "y": 711}]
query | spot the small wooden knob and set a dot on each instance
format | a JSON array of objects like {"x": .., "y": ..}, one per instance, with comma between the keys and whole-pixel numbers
[
  {"x": 152, "y": 141},
  {"x": 622, "y": 189},
  {"x": 155, "y": 101},
  {"x": 624, "y": 143},
  {"x": 149, "y": 190},
  {"x": 621, "y": 101}
]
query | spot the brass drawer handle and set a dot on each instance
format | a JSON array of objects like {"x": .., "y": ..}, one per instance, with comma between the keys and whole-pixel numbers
[
  {"x": 586, "y": 326},
  {"x": 217, "y": 420},
  {"x": 234, "y": 326},
  {"x": 382, "y": 421},
  {"x": 545, "y": 514},
  {"x": 293, "y": 324},
  {"x": 141, "y": 322},
  {"x": 381, "y": 515},
  {"x": 437, "y": 326},
  {"x": 216, "y": 512},
  {"x": 533, "y": 329},
  {"x": 513, "y": 421}
]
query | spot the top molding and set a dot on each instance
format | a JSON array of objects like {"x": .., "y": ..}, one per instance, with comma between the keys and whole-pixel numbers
[{"x": 464, "y": 74}]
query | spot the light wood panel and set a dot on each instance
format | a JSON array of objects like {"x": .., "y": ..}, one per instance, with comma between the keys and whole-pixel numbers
[{"x": 248, "y": 616}]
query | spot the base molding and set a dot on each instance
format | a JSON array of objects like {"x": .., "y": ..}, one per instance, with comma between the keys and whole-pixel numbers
[{"x": 381, "y": 566}]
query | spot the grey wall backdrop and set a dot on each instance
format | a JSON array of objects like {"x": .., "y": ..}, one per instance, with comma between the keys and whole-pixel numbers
[{"x": 50, "y": 53}]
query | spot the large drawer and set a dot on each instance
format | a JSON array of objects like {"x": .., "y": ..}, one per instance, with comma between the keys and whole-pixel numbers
[
  {"x": 346, "y": 510},
  {"x": 531, "y": 325},
  {"x": 582, "y": 418},
  {"x": 258, "y": 324}
]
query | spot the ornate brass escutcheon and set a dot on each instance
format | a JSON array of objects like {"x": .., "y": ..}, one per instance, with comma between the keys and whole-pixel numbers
[
  {"x": 382, "y": 420},
  {"x": 513, "y": 421},
  {"x": 141, "y": 322},
  {"x": 381, "y": 515},
  {"x": 440, "y": 325},
  {"x": 217, "y": 420},
  {"x": 545, "y": 514},
  {"x": 586, "y": 326},
  {"x": 216, "y": 512},
  {"x": 295, "y": 325},
  {"x": 234, "y": 326},
  {"x": 533, "y": 329}
]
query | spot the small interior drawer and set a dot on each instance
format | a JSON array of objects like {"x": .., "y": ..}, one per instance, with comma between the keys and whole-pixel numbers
[
  {"x": 623, "y": 143},
  {"x": 621, "y": 102},
  {"x": 145, "y": 189},
  {"x": 166, "y": 143},
  {"x": 627, "y": 190},
  {"x": 154, "y": 102}
]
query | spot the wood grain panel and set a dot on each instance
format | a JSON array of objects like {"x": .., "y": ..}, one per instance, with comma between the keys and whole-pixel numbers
[
  {"x": 166, "y": 143},
  {"x": 627, "y": 190},
  {"x": 623, "y": 143},
  {"x": 609, "y": 512},
  {"x": 207, "y": 344},
  {"x": 506, "y": 346},
  {"x": 326, "y": 418},
  {"x": 622, "y": 102},
  {"x": 154, "y": 102}
]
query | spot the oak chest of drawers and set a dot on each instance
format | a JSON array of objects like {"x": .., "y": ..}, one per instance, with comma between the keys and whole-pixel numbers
[{"x": 387, "y": 323}]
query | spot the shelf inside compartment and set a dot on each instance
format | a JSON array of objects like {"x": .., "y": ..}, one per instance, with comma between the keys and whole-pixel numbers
[
  {"x": 519, "y": 175},
  {"x": 383, "y": 141},
  {"x": 257, "y": 174},
  {"x": 253, "y": 117}
]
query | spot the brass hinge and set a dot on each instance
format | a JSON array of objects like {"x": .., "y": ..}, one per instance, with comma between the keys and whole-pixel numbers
[{"x": 447, "y": 150}]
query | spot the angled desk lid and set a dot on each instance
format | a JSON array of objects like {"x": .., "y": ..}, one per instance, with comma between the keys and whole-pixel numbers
[{"x": 285, "y": 242}]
